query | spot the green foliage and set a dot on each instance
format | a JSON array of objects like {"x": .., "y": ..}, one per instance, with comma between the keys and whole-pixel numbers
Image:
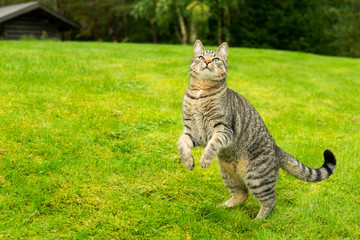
[
  {"x": 345, "y": 31},
  {"x": 89, "y": 132},
  {"x": 329, "y": 27}
]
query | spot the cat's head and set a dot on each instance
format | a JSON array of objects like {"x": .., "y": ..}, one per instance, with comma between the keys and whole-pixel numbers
[{"x": 209, "y": 64}]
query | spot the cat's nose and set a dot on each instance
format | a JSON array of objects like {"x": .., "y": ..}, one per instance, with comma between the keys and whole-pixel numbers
[{"x": 207, "y": 61}]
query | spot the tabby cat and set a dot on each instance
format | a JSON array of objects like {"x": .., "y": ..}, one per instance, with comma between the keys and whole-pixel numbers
[{"x": 229, "y": 127}]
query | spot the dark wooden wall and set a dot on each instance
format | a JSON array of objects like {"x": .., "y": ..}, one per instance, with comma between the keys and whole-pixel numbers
[{"x": 34, "y": 23}]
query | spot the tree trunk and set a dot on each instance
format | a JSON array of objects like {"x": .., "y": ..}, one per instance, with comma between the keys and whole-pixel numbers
[
  {"x": 62, "y": 7},
  {"x": 154, "y": 31},
  {"x": 62, "y": 12},
  {"x": 182, "y": 26},
  {"x": 96, "y": 29},
  {"x": 125, "y": 28},
  {"x": 227, "y": 22},
  {"x": 193, "y": 31},
  {"x": 95, "y": 17},
  {"x": 219, "y": 31},
  {"x": 112, "y": 29},
  {"x": 177, "y": 33}
]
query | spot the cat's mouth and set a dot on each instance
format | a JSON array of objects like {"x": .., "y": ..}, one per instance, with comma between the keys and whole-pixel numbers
[{"x": 206, "y": 68}]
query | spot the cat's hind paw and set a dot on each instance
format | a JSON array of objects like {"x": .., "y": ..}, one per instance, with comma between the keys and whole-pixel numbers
[{"x": 228, "y": 204}]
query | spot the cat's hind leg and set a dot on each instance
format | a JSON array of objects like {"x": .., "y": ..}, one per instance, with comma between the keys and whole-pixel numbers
[
  {"x": 234, "y": 183},
  {"x": 261, "y": 179}
]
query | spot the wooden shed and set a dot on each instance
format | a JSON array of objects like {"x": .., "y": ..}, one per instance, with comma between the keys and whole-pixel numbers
[{"x": 34, "y": 19}]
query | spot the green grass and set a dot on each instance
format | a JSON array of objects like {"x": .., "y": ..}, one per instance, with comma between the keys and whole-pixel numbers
[{"x": 88, "y": 135}]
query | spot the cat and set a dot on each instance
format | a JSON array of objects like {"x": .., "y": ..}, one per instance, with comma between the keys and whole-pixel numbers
[{"x": 229, "y": 127}]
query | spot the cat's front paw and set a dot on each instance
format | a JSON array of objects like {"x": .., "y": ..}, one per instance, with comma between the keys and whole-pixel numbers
[
  {"x": 205, "y": 162},
  {"x": 189, "y": 164}
]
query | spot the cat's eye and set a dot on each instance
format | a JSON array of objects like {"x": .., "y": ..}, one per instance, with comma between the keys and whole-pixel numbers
[
  {"x": 215, "y": 60},
  {"x": 201, "y": 58}
]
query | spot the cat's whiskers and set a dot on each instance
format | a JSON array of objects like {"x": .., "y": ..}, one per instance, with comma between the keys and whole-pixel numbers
[
  {"x": 187, "y": 76},
  {"x": 186, "y": 69},
  {"x": 195, "y": 71},
  {"x": 218, "y": 73}
]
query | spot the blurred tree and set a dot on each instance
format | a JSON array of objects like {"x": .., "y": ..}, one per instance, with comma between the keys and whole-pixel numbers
[
  {"x": 116, "y": 18},
  {"x": 344, "y": 32},
  {"x": 329, "y": 27},
  {"x": 180, "y": 13},
  {"x": 200, "y": 13},
  {"x": 187, "y": 16},
  {"x": 221, "y": 11},
  {"x": 87, "y": 13},
  {"x": 160, "y": 13},
  {"x": 146, "y": 9}
]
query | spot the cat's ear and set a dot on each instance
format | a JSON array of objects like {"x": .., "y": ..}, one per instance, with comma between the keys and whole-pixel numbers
[
  {"x": 198, "y": 47},
  {"x": 223, "y": 50}
]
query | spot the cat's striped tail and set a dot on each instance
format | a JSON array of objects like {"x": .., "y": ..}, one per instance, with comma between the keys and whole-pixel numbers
[{"x": 304, "y": 173}]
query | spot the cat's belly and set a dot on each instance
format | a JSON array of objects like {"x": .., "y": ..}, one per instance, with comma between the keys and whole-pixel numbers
[
  {"x": 199, "y": 132},
  {"x": 203, "y": 113},
  {"x": 199, "y": 129},
  {"x": 236, "y": 167}
]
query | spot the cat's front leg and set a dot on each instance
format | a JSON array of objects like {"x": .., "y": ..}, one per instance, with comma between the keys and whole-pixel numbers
[
  {"x": 219, "y": 140},
  {"x": 185, "y": 145}
]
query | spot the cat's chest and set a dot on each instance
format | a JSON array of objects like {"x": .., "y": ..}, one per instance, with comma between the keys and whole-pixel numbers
[
  {"x": 198, "y": 93},
  {"x": 199, "y": 115},
  {"x": 199, "y": 106}
]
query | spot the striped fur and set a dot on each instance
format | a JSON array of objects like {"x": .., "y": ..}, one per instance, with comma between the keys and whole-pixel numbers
[{"x": 228, "y": 126}]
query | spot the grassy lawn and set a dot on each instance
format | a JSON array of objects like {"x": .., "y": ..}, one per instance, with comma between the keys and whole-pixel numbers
[{"x": 88, "y": 135}]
